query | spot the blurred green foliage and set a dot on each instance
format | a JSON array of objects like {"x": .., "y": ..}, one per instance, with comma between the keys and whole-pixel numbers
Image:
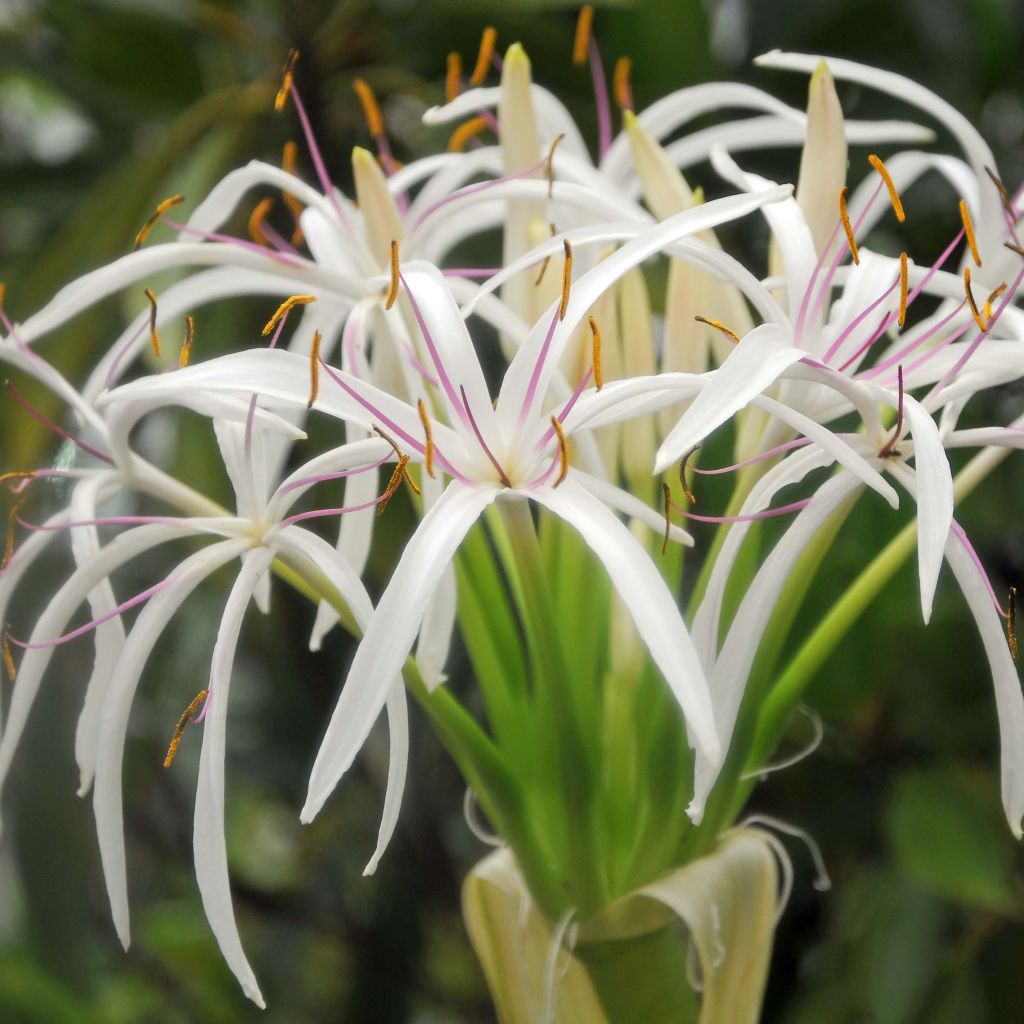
[{"x": 106, "y": 106}]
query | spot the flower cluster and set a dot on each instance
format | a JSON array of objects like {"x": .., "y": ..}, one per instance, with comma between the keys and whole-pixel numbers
[{"x": 841, "y": 371}]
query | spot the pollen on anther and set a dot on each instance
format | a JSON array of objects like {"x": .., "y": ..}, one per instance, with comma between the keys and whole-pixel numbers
[
  {"x": 621, "y": 88},
  {"x": 428, "y": 451},
  {"x": 452, "y": 77},
  {"x": 161, "y": 209},
  {"x": 687, "y": 490},
  {"x": 401, "y": 470},
  {"x": 986, "y": 309},
  {"x": 902, "y": 316},
  {"x": 403, "y": 463},
  {"x": 314, "y": 369},
  {"x": 563, "y": 451},
  {"x": 972, "y": 241},
  {"x": 197, "y": 702},
  {"x": 581, "y": 43},
  {"x": 546, "y": 260},
  {"x": 154, "y": 337},
  {"x": 1004, "y": 195},
  {"x": 969, "y": 294},
  {"x": 287, "y": 77},
  {"x": 844, "y": 216},
  {"x": 595, "y": 352},
  {"x": 1011, "y": 623},
  {"x": 285, "y": 308},
  {"x": 894, "y": 196},
  {"x": 186, "y": 345},
  {"x": 371, "y": 109},
  {"x": 719, "y": 326},
  {"x": 256, "y": 219},
  {"x": 566, "y": 279},
  {"x": 484, "y": 55},
  {"x": 9, "y": 666},
  {"x": 467, "y": 130},
  {"x": 395, "y": 276},
  {"x": 12, "y": 518}
]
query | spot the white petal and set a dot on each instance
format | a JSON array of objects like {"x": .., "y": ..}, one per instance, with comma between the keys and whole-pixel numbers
[
  {"x": 390, "y": 634},
  {"x": 208, "y": 843},
  {"x": 753, "y": 365},
  {"x": 645, "y": 594},
  {"x": 629, "y": 505},
  {"x": 106, "y": 796}
]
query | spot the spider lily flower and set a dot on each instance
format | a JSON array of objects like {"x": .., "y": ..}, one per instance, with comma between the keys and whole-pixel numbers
[
  {"x": 263, "y": 530},
  {"x": 515, "y": 449}
]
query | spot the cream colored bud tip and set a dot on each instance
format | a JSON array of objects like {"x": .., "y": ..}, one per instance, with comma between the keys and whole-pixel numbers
[
  {"x": 362, "y": 157},
  {"x": 822, "y": 74},
  {"x": 516, "y": 59},
  {"x": 629, "y": 121}
]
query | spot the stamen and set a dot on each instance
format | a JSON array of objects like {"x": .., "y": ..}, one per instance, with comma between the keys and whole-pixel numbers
[
  {"x": 667, "y": 494},
  {"x": 453, "y": 77},
  {"x": 595, "y": 351},
  {"x": 563, "y": 451},
  {"x": 620, "y": 83},
  {"x": 314, "y": 370},
  {"x": 992, "y": 296},
  {"x": 12, "y": 518},
  {"x": 428, "y": 455},
  {"x": 186, "y": 348},
  {"x": 844, "y": 216},
  {"x": 484, "y": 55},
  {"x": 289, "y": 159},
  {"x": 256, "y": 219},
  {"x": 551, "y": 163},
  {"x": 401, "y": 470},
  {"x": 1004, "y": 194},
  {"x": 466, "y": 131},
  {"x": 894, "y": 196},
  {"x": 161, "y": 209},
  {"x": 690, "y": 496},
  {"x": 52, "y": 427},
  {"x": 983, "y": 325},
  {"x": 719, "y": 326},
  {"x": 197, "y": 702},
  {"x": 502, "y": 475},
  {"x": 285, "y": 308},
  {"x": 401, "y": 455},
  {"x": 1011, "y": 624},
  {"x": 18, "y": 475},
  {"x": 154, "y": 338},
  {"x": 286, "y": 81},
  {"x": 371, "y": 109},
  {"x": 566, "y": 280},
  {"x": 581, "y": 44},
  {"x": 889, "y": 448},
  {"x": 5, "y": 645},
  {"x": 902, "y": 317},
  {"x": 972, "y": 242},
  {"x": 547, "y": 259},
  {"x": 1014, "y": 248},
  {"x": 393, "y": 289}
]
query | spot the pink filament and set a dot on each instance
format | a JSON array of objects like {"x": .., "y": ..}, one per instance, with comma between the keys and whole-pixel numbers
[
  {"x": 604, "y": 112},
  {"x": 751, "y": 517},
  {"x": 798, "y": 442},
  {"x": 531, "y": 390},
  {"x": 53, "y": 428}
]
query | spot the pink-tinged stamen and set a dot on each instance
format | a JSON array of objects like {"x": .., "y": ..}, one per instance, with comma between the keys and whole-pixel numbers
[
  {"x": 95, "y": 623},
  {"x": 604, "y": 110},
  {"x": 981, "y": 335},
  {"x": 854, "y": 324},
  {"x": 798, "y": 330},
  {"x": 435, "y": 356},
  {"x": 393, "y": 427},
  {"x": 567, "y": 408},
  {"x": 844, "y": 248},
  {"x": 751, "y": 517},
  {"x": 320, "y": 513},
  {"x": 540, "y": 481},
  {"x": 53, "y": 428},
  {"x": 786, "y": 446},
  {"x": 320, "y": 478},
  {"x": 19, "y": 486},
  {"x": 961, "y": 535},
  {"x": 318, "y": 161},
  {"x": 531, "y": 390},
  {"x": 502, "y": 475},
  {"x": 890, "y": 446},
  {"x": 422, "y": 370},
  {"x": 470, "y": 190},
  {"x": 279, "y": 242},
  {"x": 242, "y": 243},
  {"x": 470, "y": 271},
  {"x": 901, "y": 355}
]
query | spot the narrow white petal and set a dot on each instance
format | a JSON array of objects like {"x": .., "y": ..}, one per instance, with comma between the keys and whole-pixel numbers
[
  {"x": 106, "y": 796},
  {"x": 208, "y": 843},
  {"x": 753, "y": 365},
  {"x": 390, "y": 634},
  {"x": 645, "y": 594}
]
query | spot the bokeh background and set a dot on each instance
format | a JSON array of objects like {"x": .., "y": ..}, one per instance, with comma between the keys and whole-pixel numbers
[{"x": 107, "y": 106}]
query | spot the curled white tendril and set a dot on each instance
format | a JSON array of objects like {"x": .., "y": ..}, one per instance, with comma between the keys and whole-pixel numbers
[{"x": 805, "y": 751}]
